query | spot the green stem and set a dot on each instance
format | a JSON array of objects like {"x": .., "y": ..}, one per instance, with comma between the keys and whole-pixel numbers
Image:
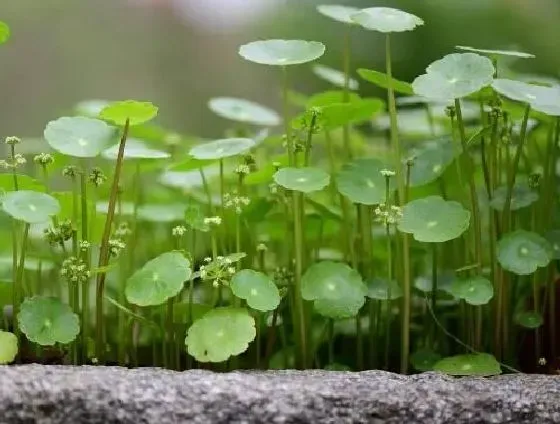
[
  {"x": 207, "y": 191},
  {"x": 18, "y": 281},
  {"x": 87, "y": 259},
  {"x": 434, "y": 290},
  {"x": 299, "y": 305},
  {"x": 346, "y": 128},
  {"x": 287, "y": 126}
]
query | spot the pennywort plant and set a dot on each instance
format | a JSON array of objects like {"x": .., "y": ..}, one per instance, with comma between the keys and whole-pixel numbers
[{"x": 412, "y": 232}]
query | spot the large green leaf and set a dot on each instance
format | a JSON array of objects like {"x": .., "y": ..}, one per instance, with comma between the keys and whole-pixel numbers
[
  {"x": 132, "y": 110},
  {"x": 521, "y": 197},
  {"x": 219, "y": 149},
  {"x": 256, "y": 288},
  {"x": 523, "y": 252},
  {"x": 382, "y": 289},
  {"x": 30, "y": 206},
  {"x": 220, "y": 334},
  {"x": 361, "y": 181},
  {"x": 431, "y": 160},
  {"x": 474, "y": 290},
  {"x": 134, "y": 149},
  {"x": 338, "y": 12},
  {"x": 386, "y": 19},
  {"x": 282, "y": 52},
  {"x": 305, "y": 180},
  {"x": 479, "y": 364},
  {"x": 242, "y": 110},
  {"x": 158, "y": 280}
]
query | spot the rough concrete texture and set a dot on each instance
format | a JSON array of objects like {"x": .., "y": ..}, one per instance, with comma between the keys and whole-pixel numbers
[{"x": 62, "y": 394}]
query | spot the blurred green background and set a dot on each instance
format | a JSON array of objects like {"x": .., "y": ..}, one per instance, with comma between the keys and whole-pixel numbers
[{"x": 180, "y": 53}]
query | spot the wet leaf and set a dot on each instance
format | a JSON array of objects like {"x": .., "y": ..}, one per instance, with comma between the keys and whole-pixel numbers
[{"x": 257, "y": 289}]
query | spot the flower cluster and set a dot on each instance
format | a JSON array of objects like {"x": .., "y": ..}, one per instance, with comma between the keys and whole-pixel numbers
[
  {"x": 14, "y": 162},
  {"x": 97, "y": 177},
  {"x": 179, "y": 231},
  {"x": 84, "y": 245},
  {"x": 213, "y": 221},
  {"x": 60, "y": 233},
  {"x": 75, "y": 270},
  {"x": 236, "y": 202},
  {"x": 70, "y": 171},
  {"x": 12, "y": 141},
  {"x": 219, "y": 270},
  {"x": 43, "y": 159},
  {"x": 387, "y": 173},
  {"x": 122, "y": 231},
  {"x": 116, "y": 245},
  {"x": 388, "y": 215},
  {"x": 243, "y": 169},
  {"x": 283, "y": 276}
]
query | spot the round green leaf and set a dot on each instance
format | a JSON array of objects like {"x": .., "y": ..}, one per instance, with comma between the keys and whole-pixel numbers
[
  {"x": 543, "y": 99},
  {"x": 338, "y": 13},
  {"x": 334, "y": 76},
  {"x": 433, "y": 219},
  {"x": 8, "y": 347},
  {"x": 79, "y": 136},
  {"x": 46, "y": 321},
  {"x": 455, "y": 76},
  {"x": 4, "y": 32},
  {"x": 431, "y": 160},
  {"x": 282, "y": 52},
  {"x": 134, "y": 149},
  {"x": 337, "y": 289},
  {"x": 478, "y": 364},
  {"x": 305, "y": 180},
  {"x": 553, "y": 237},
  {"x": 220, "y": 334},
  {"x": 158, "y": 280},
  {"x": 475, "y": 290},
  {"x": 383, "y": 289},
  {"x": 494, "y": 53},
  {"x": 424, "y": 359},
  {"x": 30, "y": 206},
  {"x": 386, "y": 19},
  {"x": 156, "y": 212},
  {"x": 256, "y": 288},
  {"x": 361, "y": 181},
  {"x": 241, "y": 110},
  {"x": 223, "y": 148},
  {"x": 136, "y": 112},
  {"x": 522, "y": 252},
  {"x": 522, "y": 196},
  {"x": 529, "y": 319}
]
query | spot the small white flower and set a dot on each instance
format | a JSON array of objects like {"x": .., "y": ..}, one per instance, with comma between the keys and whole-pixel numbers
[
  {"x": 178, "y": 231},
  {"x": 231, "y": 270},
  {"x": 387, "y": 173}
]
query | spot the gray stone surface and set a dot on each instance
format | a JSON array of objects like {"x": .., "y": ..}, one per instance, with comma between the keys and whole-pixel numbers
[{"x": 61, "y": 394}]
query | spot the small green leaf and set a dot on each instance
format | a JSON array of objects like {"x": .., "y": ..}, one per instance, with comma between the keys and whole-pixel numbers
[
  {"x": 361, "y": 181},
  {"x": 478, "y": 364},
  {"x": 305, "y": 180},
  {"x": 494, "y": 53},
  {"x": 382, "y": 289},
  {"x": 220, "y": 334},
  {"x": 529, "y": 319},
  {"x": 4, "y": 32},
  {"x": 382, "y": 80},
  {"x": 334, "y": 76},
  {"x": 523, "y": 252},
  {"x": 256, "y": 288},
  {"x": 338, "y": 13},
  {"x": 30, "y": 206},
  {"x": 336, "y": 289},
  {"x": 282, "y": 52},
  {"x": 134, "y": 149},
  {"x": 474, "y": 290},
  {"x": 455, "y": 76},
  {"x": 434, "y": 220},
  {"x": 8, "y": 347},
  {"x": 136, "y": 112},
  {"x": 424, "y": 359},
  {"x": 158, "y": 280},
  {"x": 522, "y": 196},
  {"x": 241, "y": 110},
  {"x": 46, "y": 321},
  {"x": 79, "y": 136},
  {"x": 431, "y": 160},
  {"x": 223, "y": 148},
  {"x": 386, "y": 19}
]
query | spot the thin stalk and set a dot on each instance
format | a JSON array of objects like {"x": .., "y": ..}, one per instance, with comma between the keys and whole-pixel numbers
[
  {"x": 15, "y": 294},
  {"x": 207, "y": 191},
  {"x": 18, "y": 281},
  {"x": 332, "y": 164},
  {"x": 346, "y": 96},
  {"x": 104, "y": 249},
  {"x": 389, "y": 281},
  {"x": 299, "y": 305},
  {"x": 87, "y": 259},
  {"x": 287, "y": 127}
]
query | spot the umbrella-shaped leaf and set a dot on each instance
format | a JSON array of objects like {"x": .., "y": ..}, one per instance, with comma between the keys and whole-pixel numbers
[
  {"x": 522, "y": 252},
  {"x": 282, "y": 52},
  {"x": 475, "y": 290},
  {"x": 553, "y": 237},
  {"x": 431, "y": 160},
  {"x": 79, "y": 136},
  {"x": 8, "y": 347},
  {"x": 386, "y": 19},
  {"x": 548, "y": 102},
  {"x": 455, "y": 76},
  {"x": 494, "y": 53},
  {"x": 338, "y": 12},
  {"x": 134, "y": 149},
  {"x": 529, "y": 319},
  {"x": 256, "y": 288},
  {"x": 224, "y": 148},
  {"x": 4, "y": 32},
  {"x": 361, "y": 181},
  {"x": 305, "y": 180},
  {"x": 383, "y": 289},
  {"x": 158, "y": 280},
  {"x": 46, "y": 321},
  {"x": 155, "y": 212},
  {"x": 522, "y": 196},
  {"x": 30, "y": 206},
  {"x": 334, "y": 76},
  {"x": 382, "y": 80},
  {"x": 220, "y": 334},
  {"x": 524, "y": 92},
  {"x": 424, "y": 359},
  {"x": 477, "y": 364},
  {"x": 241, "y": 110},
  {"x": 136, "y": 112},
  {"x": 337, "y": 289},
  {"x": 433, "y": 219}
]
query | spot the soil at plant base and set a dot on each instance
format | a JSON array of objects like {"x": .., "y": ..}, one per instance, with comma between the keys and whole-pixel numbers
[{"x": 64, "y": 394}]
